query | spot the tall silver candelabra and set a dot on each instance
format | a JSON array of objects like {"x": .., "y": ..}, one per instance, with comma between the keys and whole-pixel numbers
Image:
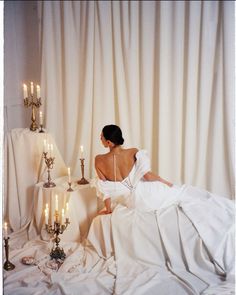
[
  {"x": 49, "y": 161},
  {"x": 56, "y": 229},
  {"x": 35, "y": 103}
]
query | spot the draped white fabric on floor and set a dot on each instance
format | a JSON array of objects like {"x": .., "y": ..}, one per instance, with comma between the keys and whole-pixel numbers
[
  {"x": 162, "y": 70},
  {"x": 183, "y": 248}
]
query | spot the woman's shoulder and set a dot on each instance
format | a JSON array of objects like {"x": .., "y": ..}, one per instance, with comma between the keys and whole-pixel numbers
[
  {"x": 138, "y": 152},
  {"x": 100, "y": 164},
  {"x": 100, "y": 157},
  {"x": 132, "y": 150}
]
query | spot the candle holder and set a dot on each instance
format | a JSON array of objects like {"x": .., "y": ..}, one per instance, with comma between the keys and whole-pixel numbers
[
  {"x": 34, "y": 103},
  {"x": 82, "y": 180},
  {"x": 41, "y": 129},
  {"x": 70, "y": 189},
  {"x": 7, "y": 265},
  {"x": 58, "y": 228},
  {"x": 49, "y": 162}
]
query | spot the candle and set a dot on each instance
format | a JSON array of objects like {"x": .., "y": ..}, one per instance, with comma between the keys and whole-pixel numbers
[
  {"x": 67, "y": 210},
  {"x": 56, "y": 204},
  {"x": 25, "y": 91},
  {"x": 47, "y": 208},
  {"x": 5, "y": 230},
  {"x": 46, "y": 216},
  {"x": 40, "y": 118},
  {"x": 38, "y": 91},
  {"x": 32, "y": 88},
  {"x": 69, "y": 178},
  {"x": 81, "y": 152},
  {"x": 62, "y": 215},
  {"x": 51, "y": 154},
  {"x": 45, "y": 145},
  {"x": 57, "y": 217}
]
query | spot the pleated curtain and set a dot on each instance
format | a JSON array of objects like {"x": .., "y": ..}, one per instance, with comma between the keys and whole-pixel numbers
[{"x": 161, "y": 70}]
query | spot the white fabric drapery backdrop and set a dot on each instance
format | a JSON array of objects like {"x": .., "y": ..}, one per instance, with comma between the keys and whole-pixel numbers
[{"x": 161, "y": 70}]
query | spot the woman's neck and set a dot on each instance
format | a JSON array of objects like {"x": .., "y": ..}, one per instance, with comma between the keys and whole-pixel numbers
[{"x": 116, "y": 149}]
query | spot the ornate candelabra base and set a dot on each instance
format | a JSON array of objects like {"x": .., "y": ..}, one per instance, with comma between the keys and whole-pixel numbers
[
  {"x": 82, "y": 181},
  {"x": 33, "y": 126},
  {"x": 8, "y": 265},
  {"x": 70, "y": 189},
  {"x": 49, "y": 184},
  {"x": 41, "y": 129},
  {"x": 58, "y": 253}
]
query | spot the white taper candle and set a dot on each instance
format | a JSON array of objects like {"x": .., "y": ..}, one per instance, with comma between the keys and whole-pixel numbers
[
  {"x": 81, "y": 152},
  {"x": 32, "y": 88},
  {"x": 46, "y": 216},
  {"x": 5, "y": 230},
  {"x": 56, "y": 203},
  {"x": 69, "y": 177},
  {"x": 40, "y": 118},
  {"x": 62, "y": 215},
  {"x": 25, "y": 90},
  {"x": 67, "y": 210},
  {"x": 38, "y": 91}
]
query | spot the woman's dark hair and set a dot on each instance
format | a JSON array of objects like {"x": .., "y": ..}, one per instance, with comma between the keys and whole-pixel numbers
[{"x": 113, "y": 133}]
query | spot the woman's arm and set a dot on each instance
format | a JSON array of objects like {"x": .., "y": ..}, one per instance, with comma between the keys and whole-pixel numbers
[
  {"x": 107, "y": 203},
  {"x": 107, "y": 209},
  {"x": 150, "y": 176}
]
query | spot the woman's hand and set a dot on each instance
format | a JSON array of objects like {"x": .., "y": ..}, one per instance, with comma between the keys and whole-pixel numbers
[
  {"x": 166, "y": 182},
  {"x": 104, "y": 211}
]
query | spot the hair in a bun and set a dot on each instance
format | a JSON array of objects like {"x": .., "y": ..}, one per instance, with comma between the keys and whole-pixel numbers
[{"x": 113, "y": 133}]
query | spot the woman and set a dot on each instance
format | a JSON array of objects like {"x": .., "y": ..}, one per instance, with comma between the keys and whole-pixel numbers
[
  {"x": 161, "y": 235},
  {"x": 125, "y": 171}
]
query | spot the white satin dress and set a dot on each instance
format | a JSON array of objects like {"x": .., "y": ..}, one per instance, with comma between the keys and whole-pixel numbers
[
  {"x": 136, "y": 193},
  {"x": 183, "y": 236},
  {"x": 213, "y": 216}
]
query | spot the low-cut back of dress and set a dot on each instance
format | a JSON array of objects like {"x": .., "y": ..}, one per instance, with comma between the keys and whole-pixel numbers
[{"x": 127, "y": 180}]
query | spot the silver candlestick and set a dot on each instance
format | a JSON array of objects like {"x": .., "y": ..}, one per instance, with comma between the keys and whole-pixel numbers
[
  {"x": 82, "y": 180},
  {"x": 7, "y": 265},
  {"x": 49, "y": 161}
]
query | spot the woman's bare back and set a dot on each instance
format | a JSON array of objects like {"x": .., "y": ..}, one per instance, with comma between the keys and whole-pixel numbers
[{"x": 115, "y": 165}]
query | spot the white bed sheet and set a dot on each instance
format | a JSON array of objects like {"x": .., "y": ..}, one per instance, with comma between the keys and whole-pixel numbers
[{"x": 128, "y": 252}]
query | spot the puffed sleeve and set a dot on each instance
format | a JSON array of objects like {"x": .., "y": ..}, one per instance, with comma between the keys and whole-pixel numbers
[
  {"x": 101, "y": 191},
  {"x": 142, "y": 165}
]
